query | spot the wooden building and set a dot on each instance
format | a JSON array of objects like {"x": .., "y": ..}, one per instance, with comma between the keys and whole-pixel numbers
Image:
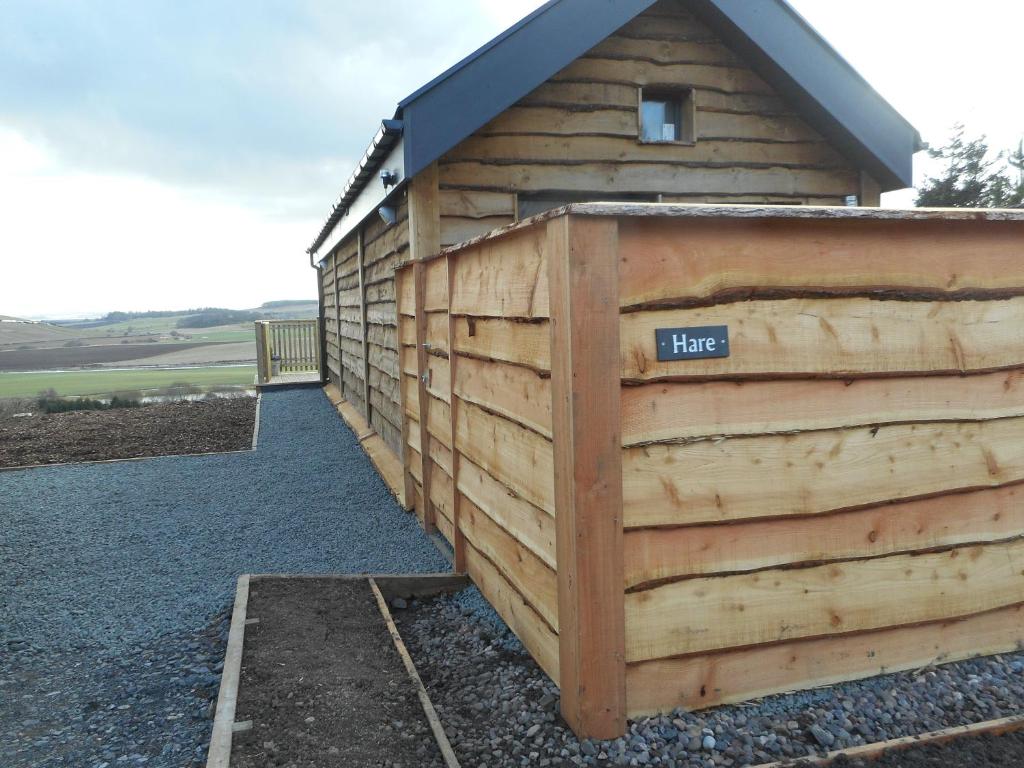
[
  {"x": 754, "y": 107},
  {"x": 456, "y": 325}
]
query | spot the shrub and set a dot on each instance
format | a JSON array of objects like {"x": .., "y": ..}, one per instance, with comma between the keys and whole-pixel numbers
[{"x": 65, "y": 404}]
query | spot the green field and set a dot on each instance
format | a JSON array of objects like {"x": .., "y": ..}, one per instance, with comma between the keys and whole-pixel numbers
[{"x": 107, "y": 382}]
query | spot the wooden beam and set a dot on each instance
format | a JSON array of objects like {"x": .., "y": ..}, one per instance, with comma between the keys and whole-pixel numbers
[
  {"x": 363, "y": 333},
  {"x": 459, "y": 543},
  {"x": 870, "y": 191},
  {"x": 337, "y": 324},
  {"x": 424, "y": 243},
  {"x": 878, "y": 750},
  {"x": 402, "y": 277},
  {"x": 583, "y": 279}
]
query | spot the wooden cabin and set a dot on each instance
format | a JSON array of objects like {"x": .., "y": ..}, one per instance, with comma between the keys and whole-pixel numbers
[
  {"x": 477, "y": 290},
  {"x": 754, "y": 107}
]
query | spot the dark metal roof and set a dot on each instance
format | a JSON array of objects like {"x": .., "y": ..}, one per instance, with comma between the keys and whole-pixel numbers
[{"x": 778, "y": 42}]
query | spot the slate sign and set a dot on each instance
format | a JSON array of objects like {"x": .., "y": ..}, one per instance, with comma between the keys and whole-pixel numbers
[{"x": 692, "y": 343}]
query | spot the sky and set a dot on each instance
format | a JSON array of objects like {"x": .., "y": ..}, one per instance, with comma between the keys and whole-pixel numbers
[{"x": 181, "y": 153}]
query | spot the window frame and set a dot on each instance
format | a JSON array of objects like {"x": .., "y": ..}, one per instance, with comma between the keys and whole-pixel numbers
[{"x": 685, "y": 97}]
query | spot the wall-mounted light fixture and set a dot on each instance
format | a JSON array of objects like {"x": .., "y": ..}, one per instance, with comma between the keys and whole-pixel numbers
[
  {"x": 388, "y": 178},
  {"x": 388, "y": 214}
]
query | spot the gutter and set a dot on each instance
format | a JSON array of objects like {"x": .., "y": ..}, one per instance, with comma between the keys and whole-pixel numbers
[{"x": 388, "y": 135}]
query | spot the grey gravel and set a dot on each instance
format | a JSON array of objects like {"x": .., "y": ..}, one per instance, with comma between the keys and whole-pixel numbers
[
  {"x": 116, "y": 580},
  {"x": 491, "y": 696}
]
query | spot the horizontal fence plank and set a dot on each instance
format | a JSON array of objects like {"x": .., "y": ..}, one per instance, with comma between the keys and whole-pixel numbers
[
  {"x": 654, "y": 179},
  {"x": 506, "y": 277},
  {"x": 658, "y": 554},
  {"x": 534, "y": 527},
  {"x": 515, "y": 392},
  {"x": 470, "y": 204},
  {"x": 840, "y": 338},
  {"x": 708, "y": 680},
  {"x": 526, "y": 344},
  {"x": 677, "y": 411},
  {"x": 706, "y": 614},
  {"x": 531, "y": 577},
  {"x": 527, "y": 148},
  {"x": 540, "y": 640},
  {"x": 815, "y": 472},
  {"x": 666, "y": 261},
  {"x": 522, "y": 460}
]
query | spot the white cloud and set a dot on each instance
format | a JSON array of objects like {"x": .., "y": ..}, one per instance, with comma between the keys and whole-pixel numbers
[
  {"x": 75, "y": 242},
  {"x": 150, "y": 161}
]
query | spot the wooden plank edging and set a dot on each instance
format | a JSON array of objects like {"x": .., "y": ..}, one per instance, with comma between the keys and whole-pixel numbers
[
  {"x": 435, "y": 722},
  {"x": 256, "y": 422},
  {"x": 879, "y": 749},
  {"x": 219, "y": 754}
]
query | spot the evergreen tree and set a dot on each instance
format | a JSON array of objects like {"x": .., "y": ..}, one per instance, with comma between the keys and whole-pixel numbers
[
  {"x": 1016, "y": 162},
  {"x": 969, "y": 180}
]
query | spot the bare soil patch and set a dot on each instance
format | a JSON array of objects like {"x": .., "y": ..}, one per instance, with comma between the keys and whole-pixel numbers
[
  {"x": 164, "y": 429},
  {"x": 323, "y": 685}
]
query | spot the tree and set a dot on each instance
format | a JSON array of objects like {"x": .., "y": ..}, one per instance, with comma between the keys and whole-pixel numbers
[
  {"x": 1016, "y": 161},
  {"x": 971, "y": 179}
]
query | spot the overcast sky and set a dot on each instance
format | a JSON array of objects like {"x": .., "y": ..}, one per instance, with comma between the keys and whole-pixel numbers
[{"x": 160, "y": 154}]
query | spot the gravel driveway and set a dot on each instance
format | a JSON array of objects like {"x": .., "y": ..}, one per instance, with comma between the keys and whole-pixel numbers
[{"x": 116, "y": 580}]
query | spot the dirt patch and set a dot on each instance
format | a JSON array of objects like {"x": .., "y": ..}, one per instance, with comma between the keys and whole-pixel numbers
[
  {"x": 978, "y": 752},
  {"x": 165, "y": 429},
  {"x": 323, "y": 684}
]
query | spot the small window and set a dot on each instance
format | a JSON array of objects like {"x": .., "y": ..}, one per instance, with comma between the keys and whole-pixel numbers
[{"x": 667, "y": 116}]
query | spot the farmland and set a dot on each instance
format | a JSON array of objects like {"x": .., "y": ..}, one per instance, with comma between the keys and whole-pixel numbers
[
  {"x": 105, "y": 382},
  {"x": 141, "y": 352}
]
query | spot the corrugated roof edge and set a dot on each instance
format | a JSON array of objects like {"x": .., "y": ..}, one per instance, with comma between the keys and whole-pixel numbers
[{"x": 390, "y": 131}]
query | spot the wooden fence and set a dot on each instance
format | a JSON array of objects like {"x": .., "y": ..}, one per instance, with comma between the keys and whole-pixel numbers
[
  {"x": 837, "y": 497},
  {"x": 287, "y": 350}
]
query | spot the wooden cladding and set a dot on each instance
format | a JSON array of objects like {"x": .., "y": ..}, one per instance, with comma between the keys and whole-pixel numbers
[{"x": 839, "y": 497}]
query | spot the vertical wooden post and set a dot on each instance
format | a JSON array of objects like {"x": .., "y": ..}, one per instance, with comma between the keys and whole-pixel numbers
[
  {"x": 424, "y": 242},
  {"x": 459, "y": 544},
  {"x": 337, "y": 326},
  {"x": 261, "y": 354},
  {"x": 419, "y": 271},
  {"x": 870, "y": 191},
  {"x": 585, "y": 386},
  {"x": 402, "y": 276},
  {"x": 321, "y": 327},
  {"x": 363, "y": 330}
]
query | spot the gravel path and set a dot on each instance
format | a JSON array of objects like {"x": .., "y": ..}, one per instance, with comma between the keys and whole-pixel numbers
[
  {"x": 116, "y": 579},
  {"x": 499, "y": 709}
]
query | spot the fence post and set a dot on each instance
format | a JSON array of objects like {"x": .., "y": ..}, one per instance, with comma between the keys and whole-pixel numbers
[
  {"x": 459, "y": 538},
  {"x": 424, "y": 242},
  {"x": 585, "y": 386}
]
